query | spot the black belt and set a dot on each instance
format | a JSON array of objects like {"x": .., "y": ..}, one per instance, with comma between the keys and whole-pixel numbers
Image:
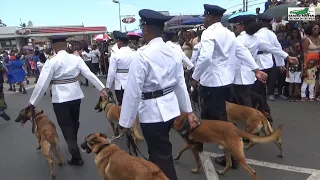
[
  {"x": 64, "y": 81},
  {"x": 156, "y": 94},
  {"x": 260, "y": 52},
  {"x": 122, "y": 70}
]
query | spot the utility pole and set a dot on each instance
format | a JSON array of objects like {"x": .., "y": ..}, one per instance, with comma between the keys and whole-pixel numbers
[{"x": 246, "y": 5}]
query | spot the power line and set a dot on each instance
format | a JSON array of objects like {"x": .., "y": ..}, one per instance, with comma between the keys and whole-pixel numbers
[{"x": 247, "y": 4}]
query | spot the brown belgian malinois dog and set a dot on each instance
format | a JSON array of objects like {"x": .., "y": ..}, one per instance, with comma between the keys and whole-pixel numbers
[
  {"x": 225, "y": 134},
  {"x": 116, "y": 164},
  {"x": 112, "y": 112},
  {"x": 254, "y": 120},
  {"x": 46, "y": 133}
]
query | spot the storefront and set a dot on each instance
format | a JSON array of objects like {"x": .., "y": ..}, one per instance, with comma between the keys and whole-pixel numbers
[{"x": 15, "y": 37}]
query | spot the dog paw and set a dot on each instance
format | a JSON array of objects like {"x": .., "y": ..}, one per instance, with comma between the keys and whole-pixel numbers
[
  {"x": 61, "y": 163},
  {"x": 220, "y": 172},
  {"x": 195, "y": 170},
  {"x": 176, "y": 158},
  {"x": 280, "y": 156},
  {"x": 53, "y": 177}
]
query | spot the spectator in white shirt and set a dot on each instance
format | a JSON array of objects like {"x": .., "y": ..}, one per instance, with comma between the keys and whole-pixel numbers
[
  {"x": 95, "y": 57},
  {"x": 87, "y": 58}
]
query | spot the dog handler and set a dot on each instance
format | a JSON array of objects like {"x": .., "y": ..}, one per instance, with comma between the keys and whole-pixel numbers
[
  {"x": 119, "y": 65},
  {"x": 61, "y": 72},
  {"x": 247, "y": 27},
  {"x": 220, "y": 53},
  {"x": 156, "y": 89}
]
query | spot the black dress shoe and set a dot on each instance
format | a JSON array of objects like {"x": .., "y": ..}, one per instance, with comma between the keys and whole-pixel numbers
[
  {"x": 4, "y": 116},
  {"x": 222, "y": 162},
  {"x": 75, "y": 161}
]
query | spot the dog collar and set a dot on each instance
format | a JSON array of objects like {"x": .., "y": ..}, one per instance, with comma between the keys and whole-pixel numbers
[{"x": 101, "y": 148}]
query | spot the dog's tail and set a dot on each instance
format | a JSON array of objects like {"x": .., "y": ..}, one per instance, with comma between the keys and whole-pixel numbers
[
  {"x": 136, "y": 131},
  {"x": 265, "y": 139},
  {"x": 267, "y": 127}
]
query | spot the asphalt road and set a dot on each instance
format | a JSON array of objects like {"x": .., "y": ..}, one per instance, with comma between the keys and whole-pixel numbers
[{"x": 19, "y": 158}]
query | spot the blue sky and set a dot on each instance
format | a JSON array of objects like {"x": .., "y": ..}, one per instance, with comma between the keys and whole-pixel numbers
[{"x": 101, "y": 12}]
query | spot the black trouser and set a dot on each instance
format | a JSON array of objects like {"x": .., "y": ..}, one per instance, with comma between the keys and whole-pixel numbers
[
  {"x": 243, "y": 94},
  {"x": 159, "y": 146},
  {"x": 89, "y": 64},
  {"x": 276, "y": 80},
  {"x": 2, "y": 100},
  {"x": 95, "y": 68},
  {"x": 260, "y": 88},
  {"x": 214, "y": 105},
  {"x": 67, "y": 114},
  {"x": 119, "y": 95}
]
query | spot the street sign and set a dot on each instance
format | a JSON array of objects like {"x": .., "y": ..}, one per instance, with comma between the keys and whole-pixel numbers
[{"x": 129, "y": 20}]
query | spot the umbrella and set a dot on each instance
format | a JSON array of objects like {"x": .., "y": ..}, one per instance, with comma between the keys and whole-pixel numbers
[
  {"x": 135, "y": 33},
  {"x": 194, "y": 21},
  {"x": 28, "y": 47},
  {"x": 280, "y": 10},
  {"x": 233, "y": 17},
  {"x": 101, "y": 37},
  {"x": 178, "y": 20}
]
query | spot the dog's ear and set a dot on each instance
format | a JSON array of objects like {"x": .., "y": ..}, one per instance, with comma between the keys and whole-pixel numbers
[
  {"x": 93, "y": 141},
  {"x": 103, "y": 135}
]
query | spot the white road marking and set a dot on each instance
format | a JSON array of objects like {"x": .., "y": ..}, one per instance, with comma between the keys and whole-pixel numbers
[
  {"x": 277, "y": 166},
  {"x": 314, "y": 176},
  {"x": 208, "y": 167}
]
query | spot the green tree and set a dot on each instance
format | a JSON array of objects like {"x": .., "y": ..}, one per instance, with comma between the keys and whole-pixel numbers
[{"x": 2, "y": 24}]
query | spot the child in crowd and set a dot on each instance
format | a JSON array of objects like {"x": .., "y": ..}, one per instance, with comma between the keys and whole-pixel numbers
[
  {"x": 293, "y": 72},
  {"x": 309, "y": 80}
]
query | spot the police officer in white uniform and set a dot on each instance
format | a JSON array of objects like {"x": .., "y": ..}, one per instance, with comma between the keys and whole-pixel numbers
[
  {"x": 119, "y": 65},
  {"x": 244, "y": 78},
  {"x": 265, "y": 60},
  {"x": 216, "y": 65},
  {"x": 61, "y": 72},
  {"x": 168, "y": 37},
  {"x": 156, "y": 89}
]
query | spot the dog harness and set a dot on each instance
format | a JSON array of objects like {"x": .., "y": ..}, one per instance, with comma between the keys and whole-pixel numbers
[
  {"x": 64, "y": 81},
  {"x": 156, "y": 94},
  {"x": 185, "y": 133}
]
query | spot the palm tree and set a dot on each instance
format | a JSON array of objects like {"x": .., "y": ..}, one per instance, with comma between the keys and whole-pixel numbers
[{"x": 2, "y": 24}]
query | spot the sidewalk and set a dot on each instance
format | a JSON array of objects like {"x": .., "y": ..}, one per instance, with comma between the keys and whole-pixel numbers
[{"x": 27, "y": 86}]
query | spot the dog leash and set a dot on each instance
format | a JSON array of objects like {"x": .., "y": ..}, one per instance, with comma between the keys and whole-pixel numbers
[
  {"x": 133, "y": 146},
  {"x": 33, "y": 119},
  {"x": 111, "y": 98},
  {"x": 130, "y": 144}
]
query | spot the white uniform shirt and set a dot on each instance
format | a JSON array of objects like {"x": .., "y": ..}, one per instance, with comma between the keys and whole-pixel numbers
[
  {"x": 219, "y": 54},
  {"x": 195, "y": 53},
  {"x": 184, "y": 58},
  {"x": 244, "y": 75},
  {"x": 63, "y": 66},
  {"x": 265, "y": 60},
  {"x": 156, "y": 66},
  {"x": 120, "y": 60}
]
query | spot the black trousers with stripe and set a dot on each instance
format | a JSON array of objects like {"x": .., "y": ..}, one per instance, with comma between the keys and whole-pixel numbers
[
  {"x": 67, "y": 114},
  {"x": 159, "y": 146}
]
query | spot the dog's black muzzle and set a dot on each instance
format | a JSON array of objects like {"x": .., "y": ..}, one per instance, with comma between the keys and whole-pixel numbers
[{"x": 85, "y": 147}]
